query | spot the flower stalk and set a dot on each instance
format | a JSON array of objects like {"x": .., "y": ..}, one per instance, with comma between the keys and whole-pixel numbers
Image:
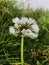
[{"x": 22, "y": 50}]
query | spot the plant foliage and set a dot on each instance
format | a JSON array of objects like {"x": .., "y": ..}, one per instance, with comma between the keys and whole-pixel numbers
[{"x": 36, "y": 52}]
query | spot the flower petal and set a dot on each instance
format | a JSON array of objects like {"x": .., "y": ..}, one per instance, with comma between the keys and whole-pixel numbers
[
  {"x": 33, "y": 35},
  {"x": 23, "y": 20},
  {"x": 35, "y": 28},
  {"x": 11, "y": 30},
  {"x": 31, "y": 21},
  {"x": 16, "y": 25},
  {"x": 29, "y": 33},
  {"x": 15, "y": 20}
]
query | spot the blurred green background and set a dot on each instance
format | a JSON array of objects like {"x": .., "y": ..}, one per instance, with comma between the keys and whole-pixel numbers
[{"x": 36, "y": 52}]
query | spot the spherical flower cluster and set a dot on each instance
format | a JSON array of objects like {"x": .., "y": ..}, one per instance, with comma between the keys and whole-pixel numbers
[{"x": 25, "y": 26}]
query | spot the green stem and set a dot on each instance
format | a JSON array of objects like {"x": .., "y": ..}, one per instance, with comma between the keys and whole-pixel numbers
[{"x": 22, "y": 44}]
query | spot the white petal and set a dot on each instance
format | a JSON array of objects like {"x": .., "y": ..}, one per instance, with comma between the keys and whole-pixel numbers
[
  {"x": 26, "y": 32},
  {"x": 33, "y": 35},
  {"x": 31, "y": 21},
  {"x": 16, "y": 25},
  {"x": 35, "y": 28},
  {"x": 11, "y": 30},
  {"x": 23, "y": 31},
  {"x": 15, "y": 20},
  {"x": 23, "y": 20},
  {"x": 29, "y": 33}
]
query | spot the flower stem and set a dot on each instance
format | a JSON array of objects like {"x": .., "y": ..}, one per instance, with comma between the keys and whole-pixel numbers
[{"x": 22, "y": 44}]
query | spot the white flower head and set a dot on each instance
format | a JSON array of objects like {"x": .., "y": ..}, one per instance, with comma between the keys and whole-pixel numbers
[{"x": 26, "y": 26}]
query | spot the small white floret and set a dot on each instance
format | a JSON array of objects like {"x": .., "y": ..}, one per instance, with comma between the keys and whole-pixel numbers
[
  {"x": 31, "y": 21},
  {"x": 16, "y": 25},
  {"x": 11, "y": 30},
  {"x": 23, "y": 20},
  {"x": 15, "y": 20},
  {"x": 34, "y": 35},
  {"x": 35, "y": 28}
]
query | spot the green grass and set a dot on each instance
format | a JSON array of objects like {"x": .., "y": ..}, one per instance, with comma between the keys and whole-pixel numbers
[{"x": 36, "y": 52}]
